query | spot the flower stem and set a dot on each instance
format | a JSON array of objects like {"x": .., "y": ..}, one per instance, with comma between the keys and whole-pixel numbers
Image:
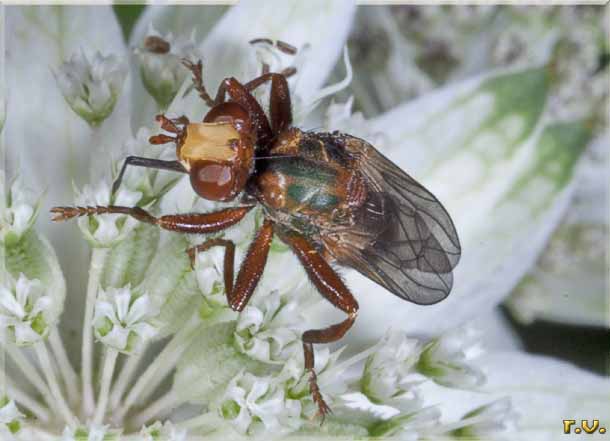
[
  {"x": 30, "y": 372},
  {"x": 165, "y": 369},
  {"x": 107, "y": 371},
  {"x": 98, "y": 256},
  {"x": 166, "y": 360},
  {"x": 159, "y": 408},
  {"x": 25, "y": 400},
  {"x": 129, "y": 368},
  {"x": 47, "y": 366},
  {"x": 201, "y": 420},
  {"x": 65, "y": 367}
]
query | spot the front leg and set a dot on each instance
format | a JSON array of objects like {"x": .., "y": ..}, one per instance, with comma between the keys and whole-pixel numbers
[
  {"x": 192, "y": 223},
  {"x": 330, "y": 285},
  {"x": 139, "y": 161}
]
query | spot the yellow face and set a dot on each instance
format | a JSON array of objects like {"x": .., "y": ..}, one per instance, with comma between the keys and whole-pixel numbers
[
  {"x": 218, "y": 158},
  {"x": 214, "y": 142}
]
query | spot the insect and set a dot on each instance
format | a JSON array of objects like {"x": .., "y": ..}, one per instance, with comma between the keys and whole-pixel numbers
[{"x": 331, "y": 197}]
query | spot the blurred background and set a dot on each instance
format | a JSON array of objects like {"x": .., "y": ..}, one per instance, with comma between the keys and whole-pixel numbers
[{"x": 401, "y": 52}]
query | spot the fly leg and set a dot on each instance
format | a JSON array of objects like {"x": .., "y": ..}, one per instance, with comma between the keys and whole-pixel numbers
[
  {"x": 193, "y": 223},
  {"x": 330, "y": 285},
  {"x": 283, "y": 47},
  {"x": 251, "y": 269},
  {"x": 139, "y": 161},
  {"x": 197, "y": 71},
  {"x": 280, "y": 108}
]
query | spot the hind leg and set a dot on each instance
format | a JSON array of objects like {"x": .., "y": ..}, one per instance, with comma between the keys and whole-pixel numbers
[{"x": 330, "y": 285}]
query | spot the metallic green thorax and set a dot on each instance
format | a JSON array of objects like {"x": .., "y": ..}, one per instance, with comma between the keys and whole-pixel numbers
[{"x": 310, "y": 185}]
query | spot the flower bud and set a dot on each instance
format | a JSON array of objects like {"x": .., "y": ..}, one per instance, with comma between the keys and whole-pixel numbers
[
  {"x": 161, "y": 69},
  {"x": 20, "y": 213},
  {"x": 91, "y": 86}
]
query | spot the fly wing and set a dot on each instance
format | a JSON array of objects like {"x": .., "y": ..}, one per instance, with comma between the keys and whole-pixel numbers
[{"x": 414, "y": 255}]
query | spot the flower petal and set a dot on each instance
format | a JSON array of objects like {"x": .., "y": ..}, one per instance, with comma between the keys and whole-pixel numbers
[
  {"x": 545, "y": 391},
  {"x": 569, "y": 283}
]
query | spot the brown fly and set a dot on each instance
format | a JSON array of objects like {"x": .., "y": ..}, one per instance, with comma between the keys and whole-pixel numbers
[{"x": 331, "y": 197}]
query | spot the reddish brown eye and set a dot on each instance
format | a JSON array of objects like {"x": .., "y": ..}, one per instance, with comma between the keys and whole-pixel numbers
[{"x": 213, "y": 180}]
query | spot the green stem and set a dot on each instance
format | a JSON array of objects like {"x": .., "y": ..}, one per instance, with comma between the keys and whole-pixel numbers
[
  {"x": 210, "y": 418},
  {"x": 129, "y": 368},
  {"x": 107, "y": 371},
  {"x": 30, "y": 372},
  {"x": 65, "y": 367},
  {"x": 168, "y": 357},
  {"x": 158, "y": 408},
  {"x": 47, "y": 367},
  {"x": 14, "y": 392},
  {"x": 98, "y": 257}
]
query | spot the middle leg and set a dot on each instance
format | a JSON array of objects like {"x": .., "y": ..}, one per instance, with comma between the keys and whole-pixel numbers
[{"x": 251, "y": 269}]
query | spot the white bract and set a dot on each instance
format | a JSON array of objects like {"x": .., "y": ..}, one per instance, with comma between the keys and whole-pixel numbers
[
  {"x": 91, "y": 85},
  {"x": 24, "y": 310},
  {"x": 124, "y": 320},
  {"x": 491, "y": 148}
]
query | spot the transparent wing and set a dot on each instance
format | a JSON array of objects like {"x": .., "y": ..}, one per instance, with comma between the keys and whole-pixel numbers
[{"x": 414, "y": 255}]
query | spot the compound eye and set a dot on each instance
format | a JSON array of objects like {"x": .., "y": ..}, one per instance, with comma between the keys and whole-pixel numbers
[{"x": 214, "y": 181}]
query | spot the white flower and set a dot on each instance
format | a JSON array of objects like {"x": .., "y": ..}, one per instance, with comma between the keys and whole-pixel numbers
[
  {"x": 445, "y": 359},
  {"x": 209, "y": 270},
  {"x": 163, "y": 432},
  {"x": 487, "y": 420},
  {"x": 270, "y": 330},
  {"x": 94, "y": 432},
  {"x": 160, "y": 58},
  {"x": 384, "y": 379},
  {"x": 105, "y": 230},
  {"x": 10, "y": 417},
  {"x": 20, "y": 211},
  {"x": 250, "y": 400},
  {"x": 91, "y": 85},
  {"x": 24, "y": 310},
  {"x": 123, "y": 320}
]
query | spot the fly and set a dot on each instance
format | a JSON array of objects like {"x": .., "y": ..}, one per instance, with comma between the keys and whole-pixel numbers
[{"x": 331, "y": 197}]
